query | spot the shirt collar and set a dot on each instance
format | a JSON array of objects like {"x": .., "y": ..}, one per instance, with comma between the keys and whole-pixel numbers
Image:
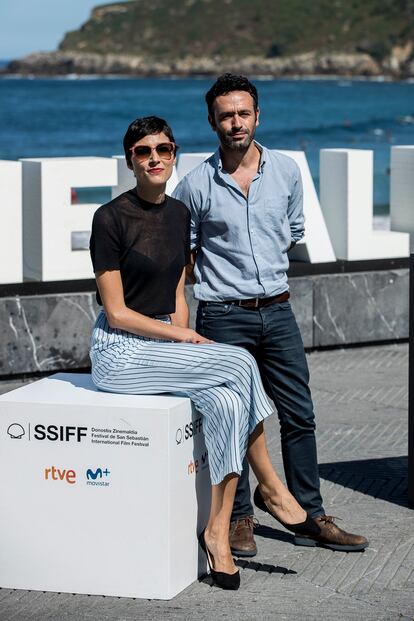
[{"x": 263, "y": 156}]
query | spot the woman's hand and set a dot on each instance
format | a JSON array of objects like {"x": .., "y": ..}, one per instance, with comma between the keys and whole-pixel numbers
[
  {"x": 123, "y": 318},
  {"x": 186, "y": 335}
]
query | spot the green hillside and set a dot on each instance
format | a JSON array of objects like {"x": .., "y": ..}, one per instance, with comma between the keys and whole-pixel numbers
[{"x": 233, "y": 28}]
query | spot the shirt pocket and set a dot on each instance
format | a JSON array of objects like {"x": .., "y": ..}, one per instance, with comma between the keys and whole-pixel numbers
[{"x": 276, "y": 220}]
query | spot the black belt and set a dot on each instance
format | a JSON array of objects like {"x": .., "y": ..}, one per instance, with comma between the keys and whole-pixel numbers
[{"x": 255, "y": 302}]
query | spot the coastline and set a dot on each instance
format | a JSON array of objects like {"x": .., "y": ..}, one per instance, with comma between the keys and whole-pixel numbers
[
  {"x": 197, "y": 76},
  {"x": 310, "y": 65}
]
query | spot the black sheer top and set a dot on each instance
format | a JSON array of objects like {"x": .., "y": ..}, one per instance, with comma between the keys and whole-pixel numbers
[{"x": 148, "y": 243}]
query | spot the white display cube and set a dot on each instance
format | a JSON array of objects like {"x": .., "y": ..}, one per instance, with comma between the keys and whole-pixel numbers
[{"x": 101, "y": 493}]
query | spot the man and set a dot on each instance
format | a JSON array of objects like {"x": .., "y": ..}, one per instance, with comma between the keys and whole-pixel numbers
[{"x": 247, "y": 213}]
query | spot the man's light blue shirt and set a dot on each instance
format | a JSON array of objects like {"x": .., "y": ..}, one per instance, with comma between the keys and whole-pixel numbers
[{"x": 242, "y": 242}]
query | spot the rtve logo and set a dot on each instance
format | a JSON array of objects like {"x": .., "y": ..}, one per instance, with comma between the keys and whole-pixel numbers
[
  {"x": 57, "y": 474},
  {"x": 194, "y": 465}
]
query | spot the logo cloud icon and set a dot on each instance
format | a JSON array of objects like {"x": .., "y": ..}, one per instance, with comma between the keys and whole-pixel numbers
[{"x": 15, "y": 431}]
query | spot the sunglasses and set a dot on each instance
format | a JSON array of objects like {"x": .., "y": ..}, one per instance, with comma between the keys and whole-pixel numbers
[{"x": 165, "y": 151}]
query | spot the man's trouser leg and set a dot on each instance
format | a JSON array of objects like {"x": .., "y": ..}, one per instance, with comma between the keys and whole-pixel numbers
[
  {"x": 284, "y": 369},
  {"x": 272, "y": 336}
]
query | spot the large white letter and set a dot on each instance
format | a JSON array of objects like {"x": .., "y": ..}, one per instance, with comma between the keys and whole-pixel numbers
[
  {"x": 347, "y": 203},
  {"x": 316, "y": 246},
  {"x": 49, "y": 218},
  {"x": 402, "y": 190},
  {"x": 11, "y": 222}
]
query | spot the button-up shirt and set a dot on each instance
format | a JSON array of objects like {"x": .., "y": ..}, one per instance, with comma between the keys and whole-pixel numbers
[{"x": 241, "y": 242}]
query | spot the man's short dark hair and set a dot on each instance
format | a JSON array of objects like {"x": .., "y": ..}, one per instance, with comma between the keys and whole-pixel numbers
[
  {"x": 227, "y": 83},
  {"x": 145, "y": 126}
]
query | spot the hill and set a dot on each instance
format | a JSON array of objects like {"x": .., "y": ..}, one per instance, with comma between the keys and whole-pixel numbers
[
  {"x": 232, "y": 28},
  {"x": 164, "y": 33}
]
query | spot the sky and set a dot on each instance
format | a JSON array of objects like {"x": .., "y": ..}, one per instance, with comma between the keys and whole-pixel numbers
[{"x": 39, "y": 25}]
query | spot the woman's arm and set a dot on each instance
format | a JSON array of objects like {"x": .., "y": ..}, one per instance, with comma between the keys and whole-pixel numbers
[
  {"x": 120, "y": 316},
  {"x": 181, "y": 315}
]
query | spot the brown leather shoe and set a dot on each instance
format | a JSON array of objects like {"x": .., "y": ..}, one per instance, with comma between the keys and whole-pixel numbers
[
  {"x": 241, "y": 538},
  {"x": 333, "y": 537}
]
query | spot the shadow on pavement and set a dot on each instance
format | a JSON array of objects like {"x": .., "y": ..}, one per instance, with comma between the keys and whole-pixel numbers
[
  {"x": 384, "y": 478},
  {"x": 263, "y": 567},
  {"x": 253, "y": 566},
  {"x": 273, "y": 533}
]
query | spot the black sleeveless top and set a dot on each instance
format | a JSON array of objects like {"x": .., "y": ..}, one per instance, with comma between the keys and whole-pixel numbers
[{"x": 148, "y": 243}]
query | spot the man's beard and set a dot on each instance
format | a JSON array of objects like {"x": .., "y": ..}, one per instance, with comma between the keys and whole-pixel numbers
[{"x": 227, "y": 140}]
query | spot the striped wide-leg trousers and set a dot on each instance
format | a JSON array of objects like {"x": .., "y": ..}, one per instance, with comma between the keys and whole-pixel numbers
[{"x": 222, "y": 381}]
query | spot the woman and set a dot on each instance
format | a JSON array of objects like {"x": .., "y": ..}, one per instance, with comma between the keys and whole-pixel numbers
[{"x": 141, "y": 342}]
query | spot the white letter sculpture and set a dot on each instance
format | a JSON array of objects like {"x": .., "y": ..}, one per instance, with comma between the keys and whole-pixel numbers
[
  {"x": 347, "y": 203},
  {"x": 49, "y": 218},
  {"x": 402, "y": 191},
  {"x": 11, "y": 222},
  {"x": 316, "y": 246}
]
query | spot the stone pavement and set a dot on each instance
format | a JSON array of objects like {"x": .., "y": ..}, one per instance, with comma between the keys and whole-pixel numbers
[{"x": 361, "y": 403}]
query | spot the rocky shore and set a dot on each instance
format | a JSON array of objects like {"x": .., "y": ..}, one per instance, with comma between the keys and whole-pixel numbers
[{"x": 397, "y": 65}]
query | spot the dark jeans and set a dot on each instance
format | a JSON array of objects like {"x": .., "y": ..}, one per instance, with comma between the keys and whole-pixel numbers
[{"x": 272, "y": 336}]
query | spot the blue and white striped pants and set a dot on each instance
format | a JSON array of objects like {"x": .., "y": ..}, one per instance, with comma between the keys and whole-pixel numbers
[{"x": 223, "y": 382}]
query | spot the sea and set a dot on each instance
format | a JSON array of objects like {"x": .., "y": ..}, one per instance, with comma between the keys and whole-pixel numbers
[{"x": 88, "y": 115}]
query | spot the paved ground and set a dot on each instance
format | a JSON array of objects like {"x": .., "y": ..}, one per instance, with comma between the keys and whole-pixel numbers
[{"x": 361, "y": 403}]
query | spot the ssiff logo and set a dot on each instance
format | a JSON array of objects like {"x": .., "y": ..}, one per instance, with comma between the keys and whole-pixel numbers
[
  {"x": 189, "y": 430},
  {"x": 60, "y": 433}
]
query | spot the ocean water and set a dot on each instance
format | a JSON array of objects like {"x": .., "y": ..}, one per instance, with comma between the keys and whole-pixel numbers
[{"x": 89, "y": 116}]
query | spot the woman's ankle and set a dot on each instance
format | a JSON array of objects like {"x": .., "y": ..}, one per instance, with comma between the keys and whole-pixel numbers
[
  {"x": 271, "y": 491},
  {"x": 219, "y": 552},
  {"x": 217, "y": 532}
]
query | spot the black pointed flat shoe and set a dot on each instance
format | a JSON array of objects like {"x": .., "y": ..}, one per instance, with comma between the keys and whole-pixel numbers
[
  {"x": 308, "y": 527},
  {"x": 231, "y": 582}
]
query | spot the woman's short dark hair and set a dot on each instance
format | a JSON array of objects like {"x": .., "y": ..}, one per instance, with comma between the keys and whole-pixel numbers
[
  {"x": 145, "y": 126},
  {"x": 227, "y": 83}
]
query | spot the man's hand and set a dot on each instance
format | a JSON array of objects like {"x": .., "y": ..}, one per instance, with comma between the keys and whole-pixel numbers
[{"x": 189, "y": 269}]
